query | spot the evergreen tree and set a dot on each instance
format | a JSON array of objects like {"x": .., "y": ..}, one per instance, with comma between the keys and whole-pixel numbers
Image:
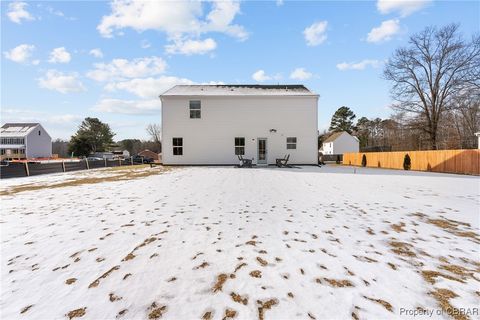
[
  {"x": 342, "y": 120},
  {"x": 92, "y": 136}
]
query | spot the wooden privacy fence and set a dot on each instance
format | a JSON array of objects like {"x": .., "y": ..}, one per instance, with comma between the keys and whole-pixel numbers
[{"x": 450, "y": 161}]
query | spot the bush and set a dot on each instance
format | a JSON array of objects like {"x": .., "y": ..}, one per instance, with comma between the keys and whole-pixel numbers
[
  {"x": 364, "y": 161},
  {"x": 407, "y": 162}
]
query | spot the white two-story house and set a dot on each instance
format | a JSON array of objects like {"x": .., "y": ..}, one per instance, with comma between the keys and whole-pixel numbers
[
  {"x": 214, "y": 124},
  {"x": 24, "y": 140}
]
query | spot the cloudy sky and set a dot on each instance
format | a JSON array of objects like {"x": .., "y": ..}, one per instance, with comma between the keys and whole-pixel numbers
[{"x": 65, "y": 60}]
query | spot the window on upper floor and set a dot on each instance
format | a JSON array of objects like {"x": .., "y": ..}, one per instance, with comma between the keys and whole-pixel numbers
[
  {"x": 195, "y": 109},
  {"x": 239, "y": 146},
  {"x": 177, "y": 146},
  {"x": 292, "y": 143},
  {"x": 12, "y": 141}
]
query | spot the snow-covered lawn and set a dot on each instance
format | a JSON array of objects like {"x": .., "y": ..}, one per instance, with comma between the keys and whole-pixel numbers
[{"x": 220, "y": 243}]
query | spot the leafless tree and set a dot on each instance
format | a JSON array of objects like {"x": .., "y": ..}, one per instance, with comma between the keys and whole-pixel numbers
[
  {"x": 155, "y": 132},
  {"x": 436, "y": 65}
]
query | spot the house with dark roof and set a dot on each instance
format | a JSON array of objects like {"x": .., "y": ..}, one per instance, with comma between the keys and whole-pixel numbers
[
  {"x": 340, "y": 143},
  {"x": 24, "y": 140},
  {"x": 215, "y": 124}
]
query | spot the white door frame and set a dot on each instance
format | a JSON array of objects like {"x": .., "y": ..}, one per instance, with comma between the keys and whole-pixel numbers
[{"x": 264, "y": 161}]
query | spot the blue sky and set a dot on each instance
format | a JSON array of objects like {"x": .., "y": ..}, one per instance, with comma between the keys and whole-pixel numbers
[{"x": 65, "y": 60}]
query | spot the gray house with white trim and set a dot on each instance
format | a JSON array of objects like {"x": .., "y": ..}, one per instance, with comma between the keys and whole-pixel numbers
[{"x": 24, "y": 140}]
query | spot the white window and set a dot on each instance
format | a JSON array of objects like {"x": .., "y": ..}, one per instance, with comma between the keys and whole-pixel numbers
[
  {"x": 177, "y": 146},
  {"x": 239, "y": 146},
  {"x": 195, "y": 109},
  {"x": 291, "y": 142}
]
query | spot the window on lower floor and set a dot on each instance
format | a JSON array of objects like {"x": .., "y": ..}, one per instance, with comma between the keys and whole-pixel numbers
[
  {"x": 240, "y": 146},
  {"x": 292, "y": 143},
  {"x": 177, "y": 146}
]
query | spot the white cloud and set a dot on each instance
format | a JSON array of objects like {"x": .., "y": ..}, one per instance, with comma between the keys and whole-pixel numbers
[
  {"x": 300, "y": 74},
  {"x": 260, "y": 76},
  {"x": 185, "y": 17},
  {"x": 404, "y": 7},
  {"x": 147, "y": 87},
  {"x": 128, "y": 106},
  {"x": 359, "y": 65},
  {"x": 316, "y": 33},
  {"x": 60, "y": 55},
  {"x": 279, "y": 3},
  {"x": 123, "y": 69},
  {"x": 61, "y": 82},
  {"x": 20, "y": 54},
  {"x": 189, "y": 47},
  {"x": 97, "y": 53},
  {"x": 58, "y": 125},
  {"x": 17, "y": 12},
  {"x": 385, "y": 31}
]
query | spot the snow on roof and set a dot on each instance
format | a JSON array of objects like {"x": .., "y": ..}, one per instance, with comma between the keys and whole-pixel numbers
[
  {"x": 17, "y": 129},
  {"x": 239, "y": 90}
]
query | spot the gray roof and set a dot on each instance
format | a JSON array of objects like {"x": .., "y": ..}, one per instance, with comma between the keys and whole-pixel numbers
[
  {"x": 333, "y": 136},
  {"x": 239, "y": 90},
  {"x": 17, "y": 129}
]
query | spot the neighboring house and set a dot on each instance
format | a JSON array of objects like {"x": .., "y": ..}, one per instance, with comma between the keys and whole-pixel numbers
[
  {"x": 24, "y": 140},
  {"x": 339, "y": 143},
  {"x": 122, "y": 154},
  {"x": 478, "y": 137},
  {"x": 149, "y": 155},
  {"x": 102, "y": 154},
  {"x": 214, "y": 124}
]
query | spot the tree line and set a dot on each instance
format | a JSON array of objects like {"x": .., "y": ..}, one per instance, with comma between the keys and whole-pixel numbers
[
  {"x": 95, "y": 136},
  {"x": 436, "y": 92}
]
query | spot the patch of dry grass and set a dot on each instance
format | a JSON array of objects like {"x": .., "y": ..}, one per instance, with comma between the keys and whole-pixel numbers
[
  {"x": 229, "y": 314},
  {"x": 241, "y": 265},
  {"x": 336, "y": 283},
  {"x": 77, "y": 313},
  {"x": 443, "y": 297},
  {"x": 238, "y": 298},
  {"x": 207, "y": 315},
  {"x": 156, "y": 312},
  {"x": 106, "y": 274},
  {"x": 430, "y": 276},
  {"x": 458, "y": 270},
  {"x": 452, "y": 226},
  {"x": 402, "y": 248},
  {"x": 262, "y": 262},
  {"x": 256, "y": 274},
  {"x": 119, "y": 174},
  {"x": 265, "y": 305},
  {"x": 221, "y": 279},
  {"x": 399, "y": 227},
  {"x": 25, "y": 309},
  {"x": 384, "y": 303}
]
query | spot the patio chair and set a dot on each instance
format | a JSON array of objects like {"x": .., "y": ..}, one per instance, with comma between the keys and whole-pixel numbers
[
  {"x": 244, "y": 162},
  {"x": 283, "y": 162}
]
